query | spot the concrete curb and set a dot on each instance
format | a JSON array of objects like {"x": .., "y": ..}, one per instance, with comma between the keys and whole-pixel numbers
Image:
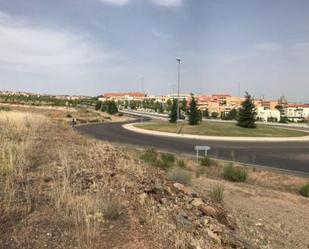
[{"x": 131, "y": 127}]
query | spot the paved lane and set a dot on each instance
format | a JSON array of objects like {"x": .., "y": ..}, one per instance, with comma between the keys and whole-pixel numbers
[{"x": 292, "y": 156}]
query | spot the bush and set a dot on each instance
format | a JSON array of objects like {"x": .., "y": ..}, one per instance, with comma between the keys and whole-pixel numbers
[
  {"x": 180, "y": 175},
  {"x": 200, "y": 171},
  {"x": 168, "y": 157},
  {"x": 217, "y": 193},
  {"x": 112, "y": 209},
  {"x": 235, "y": 174},
  {"x": 5, "y": 108},
  {"x": 150, "y": 156},
  {"x": 205, "y": 161},
  {"x": 304, "y": 191},
  {"x": 181, "y": 163},
  {"x": 69, "y": 115}
]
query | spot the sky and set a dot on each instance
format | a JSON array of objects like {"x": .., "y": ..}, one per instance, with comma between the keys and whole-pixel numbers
[{"x": 88, "y": 47}]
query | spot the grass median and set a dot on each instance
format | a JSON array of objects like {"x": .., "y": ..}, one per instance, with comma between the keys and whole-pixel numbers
[{"x": 224, "y": 129}]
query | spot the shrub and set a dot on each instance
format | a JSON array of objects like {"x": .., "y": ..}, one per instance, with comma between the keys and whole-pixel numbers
[
  {"x": 112, "y": 209},
  {"x": 304, "y": 190},
  {"x": 168, "y": 157},
  {"x": 150, "y": 156},
  {"x": 217, "y": 193},
  {"x": 5, "y": 108},
  {"x": 205, "y": 161},
  {"x": 181, "y": 163},
  {"x": 235, "y": 174},
  {"x": 200, "y": 171},
  {"x": 69, "y": 115},
  {"x": 180, "y": 175}
]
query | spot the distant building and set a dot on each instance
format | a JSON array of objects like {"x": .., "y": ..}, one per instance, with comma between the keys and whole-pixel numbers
[
  {"x": 266, "y": 114},
  {"x": 121, "y": 97},
  {"x": 297, "y": 112}
]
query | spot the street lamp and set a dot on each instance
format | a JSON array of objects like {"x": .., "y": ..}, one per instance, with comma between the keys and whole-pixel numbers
[
  {"x": 142, "y": 90},
  {"x": 178, "y": 60}
]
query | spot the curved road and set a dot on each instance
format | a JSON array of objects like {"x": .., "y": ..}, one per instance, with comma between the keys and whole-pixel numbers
[{"x": 292, "y": 156}]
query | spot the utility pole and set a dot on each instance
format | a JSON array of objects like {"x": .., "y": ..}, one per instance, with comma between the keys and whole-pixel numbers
[{"x": 178, "y": 89}]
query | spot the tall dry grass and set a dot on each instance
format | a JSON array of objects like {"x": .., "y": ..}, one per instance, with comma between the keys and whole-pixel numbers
[{"x": 60, "y": 176}]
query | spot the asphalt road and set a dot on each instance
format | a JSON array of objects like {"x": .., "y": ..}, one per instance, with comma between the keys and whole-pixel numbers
[{"x": 292, "y": 156}]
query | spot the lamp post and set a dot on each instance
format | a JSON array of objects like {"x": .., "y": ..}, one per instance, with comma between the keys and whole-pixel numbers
[
  {"x": 142, "y": 90},
  {"x": 178, "y": 88}
]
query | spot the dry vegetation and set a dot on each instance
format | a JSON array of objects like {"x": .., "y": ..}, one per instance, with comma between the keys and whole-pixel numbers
[{"x": 59, "y": 189}]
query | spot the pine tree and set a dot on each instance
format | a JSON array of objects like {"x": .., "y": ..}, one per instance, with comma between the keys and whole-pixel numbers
[
  {"x": 247, "y": 113},
  {"x": 173, "y": 113},
  {"x": 194, "y": 114}
]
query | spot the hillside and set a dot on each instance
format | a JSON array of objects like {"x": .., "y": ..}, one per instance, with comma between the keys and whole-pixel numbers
[{"x": 60, "y": 189}]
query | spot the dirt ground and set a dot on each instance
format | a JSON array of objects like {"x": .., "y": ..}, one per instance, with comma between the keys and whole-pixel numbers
[{"x": 271, "y": 218}]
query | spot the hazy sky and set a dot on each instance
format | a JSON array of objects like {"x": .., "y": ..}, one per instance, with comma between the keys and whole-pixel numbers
[{"x": 94, "y": 46}]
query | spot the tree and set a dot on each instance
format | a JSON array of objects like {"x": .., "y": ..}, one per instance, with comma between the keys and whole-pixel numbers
[
  {"x": 173, "y": 113},
  {"x": 214, "y": 114},
  {"x": 184, "y": 105},
  {"x": 247, "y": 113},
  {"x": 98, "y": 105},
  {"x": 206, "y": 113},
  {"x": 169, "y": 104},
  {"x": 193, "y": 112},
  {"x": 112, "y": 107},
  {"x": 232, "y": 115},
  {"x": 133, "y": 104}
]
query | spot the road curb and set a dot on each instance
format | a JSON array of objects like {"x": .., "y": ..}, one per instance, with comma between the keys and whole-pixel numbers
[{"x": 132, "y": 128}]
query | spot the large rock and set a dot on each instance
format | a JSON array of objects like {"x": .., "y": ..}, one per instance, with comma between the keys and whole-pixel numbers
[
  {"x": 197, "y": 202},
  {"x": 208, "y": 210},
  {"x": 184, "y": 189}
]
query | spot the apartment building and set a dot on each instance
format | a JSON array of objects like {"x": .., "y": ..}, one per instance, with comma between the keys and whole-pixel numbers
[
  {"x": 297, "y": 112},
  {"x": 266, "y": 114}
]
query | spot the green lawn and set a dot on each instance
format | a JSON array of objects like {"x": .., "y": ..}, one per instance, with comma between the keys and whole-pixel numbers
[{"x": 224, "y": 129}]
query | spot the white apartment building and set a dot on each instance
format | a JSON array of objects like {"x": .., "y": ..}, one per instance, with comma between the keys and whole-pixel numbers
[
  {"x": 265, "y": 114},
  {"x": 297, "y": 112}
]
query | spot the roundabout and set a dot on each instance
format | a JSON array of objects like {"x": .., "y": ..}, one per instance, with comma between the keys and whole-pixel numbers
[{"x": 287, "y": 155}]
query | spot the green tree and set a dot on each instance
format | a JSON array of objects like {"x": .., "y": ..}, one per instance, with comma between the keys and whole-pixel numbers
[
  {"x": 98, "y": 105},
  {"x": 193, "y": 112},
  {"x": 169, "y": 104},
  {"x": 232, "y": 115},
  {"x": 111, "y": 107},
  {"x": 173, "y": 113},
  {"x": 184, "y": 105},
  {"x": 247, "y": 113},
  {"x": 133, "y": 104},
  {"x": 206, "y": 113},
  {"x": 214, "y": 114}
]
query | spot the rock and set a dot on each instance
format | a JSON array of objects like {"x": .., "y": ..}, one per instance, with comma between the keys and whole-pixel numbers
[
  {"x": 214, "y": 236},
  {"x": 197, "y": 202},
  {"x": 48, "y": 178},
  {"x": 259, "y": 224},
  {"x": 204, "y": 221},
  {"x": 163, "y": 200},
  {"x": 208, "y": 210},
  {"x": 215, "y": 228},
  {"x": 186, "y": 190},
  {"x": 142, "y": 198},
  {"x": 183, "y": 223}
]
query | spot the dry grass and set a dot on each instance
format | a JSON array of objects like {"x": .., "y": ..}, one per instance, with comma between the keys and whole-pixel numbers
[
  {"x": 58, "y": 181},
  {"x": 59, "y": 189}
]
